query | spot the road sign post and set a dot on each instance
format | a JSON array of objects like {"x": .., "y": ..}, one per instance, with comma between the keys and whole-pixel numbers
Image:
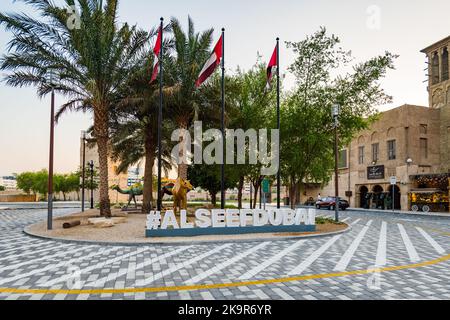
[
  {"x": 266, "y": 190},
  {"x": 393, "y": 184}
]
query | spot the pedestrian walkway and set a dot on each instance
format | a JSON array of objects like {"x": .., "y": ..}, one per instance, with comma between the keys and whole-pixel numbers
[{"x": 331, "y": 267}]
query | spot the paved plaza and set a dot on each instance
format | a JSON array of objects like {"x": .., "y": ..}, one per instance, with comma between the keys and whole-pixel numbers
[{"x": 384, "y": 256}]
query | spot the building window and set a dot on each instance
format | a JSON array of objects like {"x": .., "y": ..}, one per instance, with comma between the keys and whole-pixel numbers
[
  {"x": 445, "y": 65},
  {"x": 435, "y": 69},
  {"x": 423, "y": 129},
  {"x": 361, "y": 155},
  {"x": 392, "y": 152},
  {"x": 375, "y": 152},
  {"x": 424, "y": 148},
  {"x": 343, "y": 159}
]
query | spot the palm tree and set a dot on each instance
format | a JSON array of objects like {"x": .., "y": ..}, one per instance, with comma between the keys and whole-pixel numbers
[
  {"x": 134, "y": 124},
  {"x": 90, "y": 60},
  {"x": 191, "y": 50}
]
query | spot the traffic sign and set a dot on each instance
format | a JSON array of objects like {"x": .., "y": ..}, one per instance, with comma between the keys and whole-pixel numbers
[
  {"x": 266, "y": 186},
  {"x": 393, "y": 181}
]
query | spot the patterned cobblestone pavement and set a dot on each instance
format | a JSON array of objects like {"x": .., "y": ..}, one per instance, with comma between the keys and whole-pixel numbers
[{"x": 411, "y": 254}]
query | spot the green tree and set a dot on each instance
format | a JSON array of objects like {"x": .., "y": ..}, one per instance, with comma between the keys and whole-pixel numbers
[
  {"x": 66, "y": 183},
  {"x": 40, "y": 183},
  {"x": 25, "y": 182},
  {"x": 253, "y": 107},
  {"x": 89, "y": 61},
  {"x": 208, "y": 177},
  {"x": 2, "y": 188},
  {"x": 307, "y": 137},
  {"x": 134, "y": 124},
  {"x": 191, "y": 50},
  {"x": 88, "y": 184}
]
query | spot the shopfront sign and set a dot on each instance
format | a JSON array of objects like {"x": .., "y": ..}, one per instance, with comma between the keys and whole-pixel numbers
[
  {"x": 229, "y": 222},
  {"x": 375, "y": 173}
]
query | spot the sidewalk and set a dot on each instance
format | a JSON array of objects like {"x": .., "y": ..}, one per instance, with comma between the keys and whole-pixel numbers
[
  {"x": 390, "y": 212},
  {"x": 397, "y": 212},
  {"x": 39, "y": 205}
]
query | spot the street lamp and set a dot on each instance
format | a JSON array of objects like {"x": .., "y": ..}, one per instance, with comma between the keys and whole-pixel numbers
[
  {"x": 91, "y": 165},
  {"x": 83, "y": 177},
  {"x": 51, "y": 75},
  {"x": 335, "y": 112}
]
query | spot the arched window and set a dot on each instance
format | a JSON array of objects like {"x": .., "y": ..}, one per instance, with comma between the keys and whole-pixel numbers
[
  {"x": 435, "y": 68},
  {"x": 445, "y": 65}
]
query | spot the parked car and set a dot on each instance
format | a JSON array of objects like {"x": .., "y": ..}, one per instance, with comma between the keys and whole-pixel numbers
[{"x": 330, "y": 204}]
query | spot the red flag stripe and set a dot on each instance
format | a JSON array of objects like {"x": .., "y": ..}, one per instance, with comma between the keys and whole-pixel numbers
[
  {"x": 157, "y": 48},
  {"x": 272, "y": 66},
  {"x": 212, "y": 63},
  {"x": 155, "y": 72}
]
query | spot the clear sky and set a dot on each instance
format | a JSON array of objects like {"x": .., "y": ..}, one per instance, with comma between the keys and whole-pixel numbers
[{"x": 367, "y": 27}]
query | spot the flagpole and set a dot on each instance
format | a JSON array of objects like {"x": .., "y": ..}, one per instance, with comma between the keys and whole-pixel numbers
[
  {"x": 223, "y": 122},
  {"x": 278, "y": 126},
  {"x": 160, "y": 118}
]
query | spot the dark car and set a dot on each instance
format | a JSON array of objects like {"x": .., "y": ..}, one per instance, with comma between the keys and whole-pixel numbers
[{"x": 330, "y": 204}]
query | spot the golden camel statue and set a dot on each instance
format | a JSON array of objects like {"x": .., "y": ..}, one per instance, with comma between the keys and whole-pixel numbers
[{"x": 179, "y": 192}]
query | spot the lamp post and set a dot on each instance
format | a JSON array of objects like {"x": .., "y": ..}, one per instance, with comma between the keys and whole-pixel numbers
[
  {"x": 51, "y": 154},
  {"x": 335, "y": 112},
  {"x": 83, "y": 173},
  {"x": 91, "y": 166}
]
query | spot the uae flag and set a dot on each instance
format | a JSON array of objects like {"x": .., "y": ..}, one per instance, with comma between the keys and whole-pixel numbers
[
  {"x": 212, "y": 63},
  {"x": 272, "y": 68},
  {"x": 157, "y": 51}
]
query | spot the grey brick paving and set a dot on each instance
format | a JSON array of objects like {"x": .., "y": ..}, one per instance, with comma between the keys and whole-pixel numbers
[{"x": 29, "y": 263}]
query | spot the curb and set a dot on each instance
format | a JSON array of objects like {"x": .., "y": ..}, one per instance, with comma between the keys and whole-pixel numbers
[
  {"x": 184, "y": 243},
  {"x": 401, "y": 213},
  {"x": 35, "y": 208}
]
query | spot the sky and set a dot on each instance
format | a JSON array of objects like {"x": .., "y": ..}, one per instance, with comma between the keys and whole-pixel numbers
[{"x": 367, "y": 28}]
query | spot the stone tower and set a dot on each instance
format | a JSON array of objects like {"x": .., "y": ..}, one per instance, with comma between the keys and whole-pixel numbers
[{"x": 439, "y": 93}]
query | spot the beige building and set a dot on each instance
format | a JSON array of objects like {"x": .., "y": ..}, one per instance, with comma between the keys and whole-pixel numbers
[{"x": 411, "y": 143}]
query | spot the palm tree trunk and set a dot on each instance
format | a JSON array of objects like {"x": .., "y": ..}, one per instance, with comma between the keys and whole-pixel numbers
[
  {"x": 101, "y": 134},
  {"x": 182, "y": 167},
  {"x": 147, "y": 205}
]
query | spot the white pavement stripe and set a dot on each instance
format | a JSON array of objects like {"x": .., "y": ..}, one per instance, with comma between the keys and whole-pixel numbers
[
  {"x": 317, "y": 254},
  {"x": 14, "y": 242},
  {"x": 182, "y": 265},
  {"x": 28, "y": 262},
  {"x": 348, "y": 255},
  {"x": 101, "y": 282},
  {"x": 271, "y": 261},
  {"x": 219, "y": 267},
  {"x": 413, "y": 255},
  {"x": 356, "y": 222},
  {"x": 346, "y": 219},
  {"x": 28, "y": 252},
  {"x": 261, "y": 295},
  {"x": 431, "y": 241},
  {"x": 382, "y": 243},
  {"x": 96, "y": 266},
  {"x": 313, "y": 257},
  {"x": 55, "y": 266},
  {"x": 283, "y": 294}
]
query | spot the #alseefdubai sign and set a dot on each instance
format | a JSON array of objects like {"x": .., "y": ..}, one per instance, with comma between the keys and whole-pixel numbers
[{"x": 230, "y": 222}]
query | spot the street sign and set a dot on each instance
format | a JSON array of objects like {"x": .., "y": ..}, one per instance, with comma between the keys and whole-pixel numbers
[
  {"x": 266, "y": 186},
  {"x": 393, "y": 181}
]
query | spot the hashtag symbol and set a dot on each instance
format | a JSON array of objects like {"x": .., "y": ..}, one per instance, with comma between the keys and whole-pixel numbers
[{"x": 154, "y": 220}]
